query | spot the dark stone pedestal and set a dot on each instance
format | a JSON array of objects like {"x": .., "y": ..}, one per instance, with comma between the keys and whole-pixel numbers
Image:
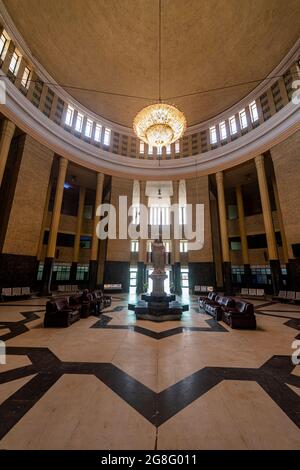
[
  {"x": 227, "y": 278},
  {"x": 247, "y": 276},
  {"x": 73, "y": 272},
  {"x": 93, "y": 269},
  {"x": 177, "y": 278},
  {"x": 47, "y": 276},
  {"x": 158, "y": 309},
  {"x": 140, "y": 278},
  {"x": 276, "y": 275}
]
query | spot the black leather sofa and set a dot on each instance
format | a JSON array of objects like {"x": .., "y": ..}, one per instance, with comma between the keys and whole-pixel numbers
[
  {"x": 237, "y": 313},
  {"x": 60, "y": 314}
]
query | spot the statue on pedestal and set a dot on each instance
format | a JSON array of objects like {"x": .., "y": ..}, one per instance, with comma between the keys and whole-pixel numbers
[
  {"x": 158, "y": 256},
  {"x": 158, "y": 276}
]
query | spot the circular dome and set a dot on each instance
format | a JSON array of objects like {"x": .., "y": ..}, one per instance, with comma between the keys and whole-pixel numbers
[{"x": 215, "y": 47}]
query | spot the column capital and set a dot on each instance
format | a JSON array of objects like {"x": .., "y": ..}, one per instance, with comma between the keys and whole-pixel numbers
[
  {"x": 63, "y": 162},
  {"x": 219, "y": 176},
  {"x": 100, "y": 178},
  {"x": 8, "y": 128},
  {"x": 259, "y": 160}
]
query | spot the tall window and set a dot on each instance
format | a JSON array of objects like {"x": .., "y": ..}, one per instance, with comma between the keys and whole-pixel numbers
[
  {"x": 134, "y": 246},
  {"x": 26, "y": 78},
  {"x": 142, "y": 147},
  {"x": 69, "y": 116},
  {"x": 159, "y": 150},
  {"x": 88, "y": 128},
  {"x": 159, "y": 215},
  {"x": 213, "y": 135},
  {"x": 62, "y": 271},
  {"x": 168, "y": 149},
  {"x": 107, "y": 133},
  {"x": 3, "y": 44},
  {"x": 183, "y": 246},
  {"x": 223, "y": 132},
  {"x": 14, "y": 63},
  {"x": 79, "y": 122},
  {"x": 253, "y": 111},
  {"x": 98, "y": 131},
  {"x": 82, "y": 272},
  {"x": 150, "y": 150},
  {"x": 177, "y": 146},
  {"x": 232, "y": 125},
  {"x": 243, "y": 119}
]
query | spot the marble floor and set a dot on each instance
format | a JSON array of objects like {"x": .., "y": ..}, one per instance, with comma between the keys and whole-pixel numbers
[{"x": 112, "y": 382}]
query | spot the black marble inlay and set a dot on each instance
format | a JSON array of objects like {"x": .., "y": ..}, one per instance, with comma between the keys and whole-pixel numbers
[
  {"x": 18, "y": 327},
  {"x": 273, "y": 376},
  {"x": 213, "y": 326}
]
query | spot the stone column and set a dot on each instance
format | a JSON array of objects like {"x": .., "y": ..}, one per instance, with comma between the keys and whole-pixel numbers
[
  {"x": 77, "y": 235},
  {"x": 243, "y": 235},
  {"x": 224, "y": 233},
  {"x": 47, "y": 273},
  {"x": 43, "y": 226},
  {"x": 142, "y": 261},
  {"x": 7, "y": 132},
  {"x": 268, "y": 223},
  {"x": 280, "y": 221},
  {"x": 93, "y": 265},
  {"x": 176, "y": 264}
]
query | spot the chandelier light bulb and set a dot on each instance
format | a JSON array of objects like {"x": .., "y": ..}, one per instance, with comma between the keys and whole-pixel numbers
[{"x": 159, "y": 124}]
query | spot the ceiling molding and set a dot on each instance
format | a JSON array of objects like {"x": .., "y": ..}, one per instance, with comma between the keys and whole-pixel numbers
[
  {"x": 28, "y": 118},
  {"x": 290, "y": 57}
]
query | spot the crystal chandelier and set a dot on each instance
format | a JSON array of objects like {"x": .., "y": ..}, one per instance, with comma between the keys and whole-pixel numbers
[{"x": 159, "y": 124}]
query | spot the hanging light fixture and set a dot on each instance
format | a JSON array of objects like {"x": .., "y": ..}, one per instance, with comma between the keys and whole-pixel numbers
[{"x": 159, "y": 124}]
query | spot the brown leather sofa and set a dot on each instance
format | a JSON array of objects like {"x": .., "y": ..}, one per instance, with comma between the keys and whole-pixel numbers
[
  {"x": 237, "y": 313},
  {"x": 240, "y": 316},
  {"x": 60, "y": 314},
  {"x": 202, "y": 299},
  {"x": 84, "y": 307},
  {"x": 216, "y": 308},
  {"x": 106, "y": 299}
]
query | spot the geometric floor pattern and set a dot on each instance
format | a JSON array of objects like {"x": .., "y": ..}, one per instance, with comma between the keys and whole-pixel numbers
[{"x": 162, "y": 391}]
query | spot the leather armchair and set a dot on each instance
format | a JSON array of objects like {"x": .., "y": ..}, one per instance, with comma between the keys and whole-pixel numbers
[
  {"x": 240, "y": 316},
  {"x": 60, "y": 314},
  {"x": 202, "y": 299}
]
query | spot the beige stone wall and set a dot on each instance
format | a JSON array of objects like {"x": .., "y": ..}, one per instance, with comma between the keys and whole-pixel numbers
[
  {"x": 254, "y": 225},
  {"x": 286, "y": 160},
  {"x": 119, "y": 250},
  {"x": 197, "y": 191},
  {"x": 24, "y": 225}
]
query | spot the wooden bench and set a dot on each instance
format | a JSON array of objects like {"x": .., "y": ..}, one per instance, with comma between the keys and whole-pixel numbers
[
  {"x": 9, "y": 293},
  {"x": 252, "y": 293}
]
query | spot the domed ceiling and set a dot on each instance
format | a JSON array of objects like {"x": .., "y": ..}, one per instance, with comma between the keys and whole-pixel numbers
[{"x": 112, "y": 46}]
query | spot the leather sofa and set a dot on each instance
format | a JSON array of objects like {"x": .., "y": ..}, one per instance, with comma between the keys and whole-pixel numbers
[
  {"x": 237, "y": 313},
  {"x": 60, "y": 314},
  {"x": 202, "y": 299},
  {"x": 106, "y": 299},
  {"x": 240, "y": 316},
  {"x": 216, "y": 308},
  {"x": 84, "y": 307}
]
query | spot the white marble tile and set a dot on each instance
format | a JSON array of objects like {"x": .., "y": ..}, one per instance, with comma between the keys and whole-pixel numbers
[{"x": 233, "y": 415}]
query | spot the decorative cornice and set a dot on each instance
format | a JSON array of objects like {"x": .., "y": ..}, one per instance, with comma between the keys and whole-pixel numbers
[
  {"x": 290, "y": 57},
  {"x": 28, "y": 118}
]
